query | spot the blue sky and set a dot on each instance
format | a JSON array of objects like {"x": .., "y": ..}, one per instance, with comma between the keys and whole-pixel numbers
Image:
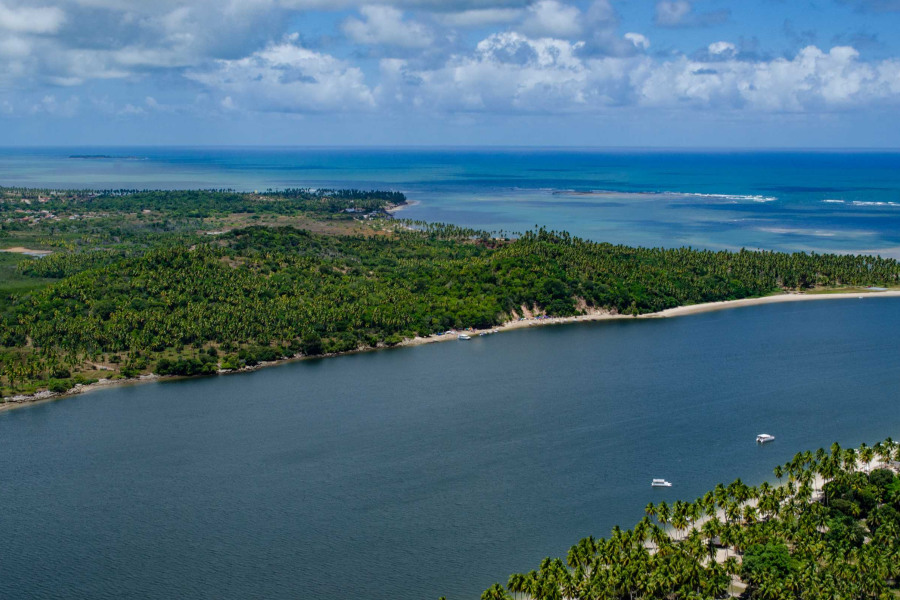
[{"x": 707, "y": 73}]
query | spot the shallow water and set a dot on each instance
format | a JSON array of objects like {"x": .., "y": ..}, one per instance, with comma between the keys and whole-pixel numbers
[
  {"x": 791, "y": 200},
  {"x": 425, "y": 471}
]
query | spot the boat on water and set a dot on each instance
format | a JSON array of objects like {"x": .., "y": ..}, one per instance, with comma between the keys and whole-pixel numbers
[
  {"x": 764, "y": 437},
  {"x": 660, "y": 483},
  {"x": 463, "y": 336}
]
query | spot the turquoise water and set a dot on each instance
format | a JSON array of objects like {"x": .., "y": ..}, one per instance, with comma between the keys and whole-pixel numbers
[
  {"x": 418, "y": 472},
  {"x": 820, "y": 201}
]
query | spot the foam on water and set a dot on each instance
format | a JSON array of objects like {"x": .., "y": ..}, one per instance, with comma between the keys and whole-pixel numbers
[{"x": 861, "y": 203}]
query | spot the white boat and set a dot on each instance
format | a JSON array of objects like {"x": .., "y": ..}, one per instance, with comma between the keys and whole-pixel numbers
[
  {"x": 764, "y": 437},
  {"x": 463, "y": 336},
  {"x": 660, "y": 483}
]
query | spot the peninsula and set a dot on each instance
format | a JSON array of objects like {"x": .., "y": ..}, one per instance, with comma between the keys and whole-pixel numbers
[{"x": 120, "y": 284}]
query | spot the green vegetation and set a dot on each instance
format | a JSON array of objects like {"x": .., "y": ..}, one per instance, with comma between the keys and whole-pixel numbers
[
  {"x": 196, "y": 203},
  {"x": 13, "y": 282},
  {"x": 798, "y": 541},
  {"x": 137, "y": 283}
]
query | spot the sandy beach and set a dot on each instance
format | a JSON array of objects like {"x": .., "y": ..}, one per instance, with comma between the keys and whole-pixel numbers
[
  {"x": 710, "y": 306},
  {"x": 21, "y": 250},
  {"x": 528, "y": 320},
  {"x": 680, "y": 311},
  {"x": 395, "y": 208}
]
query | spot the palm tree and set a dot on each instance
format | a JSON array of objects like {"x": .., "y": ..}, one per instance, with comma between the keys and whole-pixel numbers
[
  {"x": 883, "y": 451},
  {"x": 495, "y": 592},
  {"x": 650, "y": 510},
  {"x": 662, "y": 513},
  {"x": 866, "y": 454},
  {"x": 849, "y": 460},
  {"x": 680, "y": 521}
]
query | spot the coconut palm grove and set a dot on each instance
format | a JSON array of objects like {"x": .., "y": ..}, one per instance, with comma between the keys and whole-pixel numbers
[{"x": 829, "y": 529}]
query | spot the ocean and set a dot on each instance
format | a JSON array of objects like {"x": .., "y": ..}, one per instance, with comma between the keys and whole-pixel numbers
[{"x": 816, "y": 201}]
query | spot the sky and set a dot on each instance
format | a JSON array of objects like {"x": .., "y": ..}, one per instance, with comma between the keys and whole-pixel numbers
[{"x": 663, "y": 73}]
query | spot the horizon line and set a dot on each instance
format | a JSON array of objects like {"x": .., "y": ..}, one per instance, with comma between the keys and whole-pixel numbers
[{"x": 470, "y": 147}]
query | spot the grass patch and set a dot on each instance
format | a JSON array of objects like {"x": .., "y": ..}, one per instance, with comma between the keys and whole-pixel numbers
[{"x": 13, "y": 283}]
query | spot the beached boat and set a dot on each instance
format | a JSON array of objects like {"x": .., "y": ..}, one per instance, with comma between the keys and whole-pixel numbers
[
  {"x": 463, "y": 336},
  {"x": 764, "y": 437},
  {"x": 660, "y": 483}
]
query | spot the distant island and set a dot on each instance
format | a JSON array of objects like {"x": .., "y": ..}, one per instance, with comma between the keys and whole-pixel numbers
[{"x": 142, "y": 283}]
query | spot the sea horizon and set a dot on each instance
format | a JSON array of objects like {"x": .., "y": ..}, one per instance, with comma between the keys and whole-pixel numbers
[
  {"x": 821, "y": 200},
  {"x": 474, "y": 147}
]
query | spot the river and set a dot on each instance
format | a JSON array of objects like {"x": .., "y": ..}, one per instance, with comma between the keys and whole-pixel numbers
[{"x": 425, "y": 471}]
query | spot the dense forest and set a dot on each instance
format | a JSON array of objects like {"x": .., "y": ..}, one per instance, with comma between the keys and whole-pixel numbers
[
  {"x": 198, "y": 203},
  {"x": 137, "y": 283},
  {"x": 831, "y": 530}
]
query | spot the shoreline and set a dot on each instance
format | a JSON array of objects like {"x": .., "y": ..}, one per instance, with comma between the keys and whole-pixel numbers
[
  {"x": 394, "y": 208},
  {"x": 519, "y": 323}
]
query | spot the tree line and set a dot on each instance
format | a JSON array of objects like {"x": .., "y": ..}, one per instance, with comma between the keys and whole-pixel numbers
[{"x": 159, "y": 289}]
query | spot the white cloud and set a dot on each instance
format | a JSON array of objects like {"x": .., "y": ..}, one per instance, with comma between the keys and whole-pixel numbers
[
  {"x": 544, "y": 56},
  {"x": 438, "y": 5},
  {"x": 550, "y": 18},
  {"x": 680, "y": 13},
  {"x": 287, "y": 77},
  {"x": 602, "y": 38},
  {"x": 13, "y": 46},
  {"x": 670, "y": 13},
  {"x": 811, "y": 80},
  {"x": 510, "y": 72},
  {"x": 130, "y": 110},
  {"x": 384, "y": 25},
  {"x": 722, "y": 49},
  {"x": 27, "y": 19},
  {"x": 479, "y": 17},
  {"x": 640, "y": 41},
  {"x": 51, "y": 106},
  {"x": 69, "y": 42}
]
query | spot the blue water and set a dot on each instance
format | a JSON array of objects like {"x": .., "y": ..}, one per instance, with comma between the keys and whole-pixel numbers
[
  {"x": 819, "y": 201},
  {"x": 436, "y": 470}
]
